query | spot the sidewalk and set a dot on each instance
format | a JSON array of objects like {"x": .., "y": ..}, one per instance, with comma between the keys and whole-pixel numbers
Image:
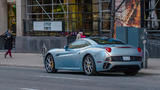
[
  {"x": 153, "y": 66},
  {"x": 36, "y": 60},
  {"x": 22, "y": 59}
]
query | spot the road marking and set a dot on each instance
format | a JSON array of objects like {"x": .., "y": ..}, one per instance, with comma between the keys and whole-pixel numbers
[
  {"x": 64, "y": 78},
  {"x": 27, "y": 89}
]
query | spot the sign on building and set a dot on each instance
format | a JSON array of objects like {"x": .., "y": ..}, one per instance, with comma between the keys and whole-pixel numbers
[{"x": 47, "y": 25}]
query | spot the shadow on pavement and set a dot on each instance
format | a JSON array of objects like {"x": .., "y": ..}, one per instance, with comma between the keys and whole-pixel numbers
[{"x": 107, "y": 74}]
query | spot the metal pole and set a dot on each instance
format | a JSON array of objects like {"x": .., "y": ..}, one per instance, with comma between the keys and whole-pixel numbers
[
  {"x": 26, "y": 9},
  {"x": 62, "y": 6},
  {"x": 67, "y": 18},
  {"x": 100, "y": 17},
  {"x": 144, "y": 50},
  {"x": 52, "y": 10},
  {"x": 142, "y": 13},
  {"x": 112, "y": 17},
  {"x": 43, "y": 9},
  {"x": 146, "y": 63},
  {"x": 120, "y": 5},
  {"x": 26, "y": 21}
]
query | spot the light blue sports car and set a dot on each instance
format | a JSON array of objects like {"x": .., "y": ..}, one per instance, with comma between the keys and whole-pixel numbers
[{"x": 95, "y": 54}]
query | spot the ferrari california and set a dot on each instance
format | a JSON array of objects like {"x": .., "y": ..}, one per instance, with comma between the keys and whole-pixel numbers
[{"x": 95, "y": 54}]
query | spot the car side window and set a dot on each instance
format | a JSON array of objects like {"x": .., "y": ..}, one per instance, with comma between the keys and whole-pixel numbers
[{"x": 79, "y": 44}]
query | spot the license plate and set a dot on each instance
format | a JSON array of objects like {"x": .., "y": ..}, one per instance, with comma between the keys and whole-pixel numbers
[{"x": 126, "y": 58}]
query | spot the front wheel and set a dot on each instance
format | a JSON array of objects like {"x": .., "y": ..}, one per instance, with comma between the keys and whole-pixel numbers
[
  {"x": 130, "y": 73},
  {"x": 89, "y": 66},
  {"x": 50, "y": 64}
]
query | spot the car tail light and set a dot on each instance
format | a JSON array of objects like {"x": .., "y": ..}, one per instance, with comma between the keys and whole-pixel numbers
[
  {"x": 139, "y": 49},
  {"x": 108, "y": 49}
]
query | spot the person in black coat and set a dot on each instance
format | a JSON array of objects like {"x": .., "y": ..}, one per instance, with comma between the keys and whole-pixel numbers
[{"x": 8, "y": 43}]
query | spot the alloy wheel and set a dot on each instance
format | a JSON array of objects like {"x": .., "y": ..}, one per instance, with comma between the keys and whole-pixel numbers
[
  {"x": 49, "y": 64},
  {"x": 89, "y": 65}
]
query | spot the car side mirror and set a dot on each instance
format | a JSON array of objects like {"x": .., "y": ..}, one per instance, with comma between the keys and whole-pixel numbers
[{"x": 66, "y": 47}]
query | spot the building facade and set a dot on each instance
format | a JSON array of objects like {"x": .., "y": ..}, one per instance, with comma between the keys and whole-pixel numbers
[
  {"x": 90, "y": 16},
  {"x": 30, "y": 19},
  {"x": 93, "y": 17},
  {"x": 4, "y": 20},
  {"x": 75, "y": 15}
]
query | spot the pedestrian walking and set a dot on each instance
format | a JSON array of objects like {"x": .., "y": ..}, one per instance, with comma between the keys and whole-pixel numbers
[
  {"x": 80, "y": 35},
  {"x": 8, "y": 43}
]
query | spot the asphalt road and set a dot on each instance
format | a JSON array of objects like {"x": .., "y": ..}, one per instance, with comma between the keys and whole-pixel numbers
[{"x": 25, "y": 78}]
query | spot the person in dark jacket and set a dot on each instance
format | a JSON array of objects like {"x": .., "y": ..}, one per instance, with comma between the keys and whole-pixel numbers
[{"x": 8, "y": 43}]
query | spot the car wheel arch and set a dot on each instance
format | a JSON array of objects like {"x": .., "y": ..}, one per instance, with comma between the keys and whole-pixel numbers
[
  {"x": 47, "y": 55},
  {"x": 86, "y": 55}
]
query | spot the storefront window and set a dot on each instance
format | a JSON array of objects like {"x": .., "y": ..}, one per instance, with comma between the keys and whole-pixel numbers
[{"x": 12, "y": 17}]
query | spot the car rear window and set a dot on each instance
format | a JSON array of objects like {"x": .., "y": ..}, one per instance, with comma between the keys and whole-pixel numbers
[{"x": 107, "y": 41}]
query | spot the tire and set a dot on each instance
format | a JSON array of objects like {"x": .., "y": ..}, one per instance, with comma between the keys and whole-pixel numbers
[
  {"x": 89, "y": 66},
  {"x": 130, "y": 73},
  {"x": 50, "y": 64}
]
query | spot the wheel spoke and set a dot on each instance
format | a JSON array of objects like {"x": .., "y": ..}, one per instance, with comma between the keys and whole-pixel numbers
[
  {"x": 47, "y": 67},
  {"x": 86, "y": 69},
  {"x": 90, "y": 68},
  {"x": 87, "y": 59},
  {"x": 48, "y": 60}
]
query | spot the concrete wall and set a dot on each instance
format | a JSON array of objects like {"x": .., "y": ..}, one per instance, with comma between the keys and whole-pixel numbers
[
  {"x": 4, "y": 16},
  {"x": 30, "y": 44},
  {"x": 20, "y": 16}
]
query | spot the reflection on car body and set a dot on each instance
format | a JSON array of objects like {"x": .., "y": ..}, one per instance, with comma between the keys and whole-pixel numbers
[{"x": 95, "y": 54}]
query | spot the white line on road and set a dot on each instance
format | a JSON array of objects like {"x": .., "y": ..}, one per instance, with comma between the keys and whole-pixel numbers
[
  {"x": 27, "y": 89},
  {"x": 64, "y": 78}
]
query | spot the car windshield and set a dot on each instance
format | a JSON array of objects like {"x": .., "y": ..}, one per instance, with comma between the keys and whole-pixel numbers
[{"x": 104, "y": 41}]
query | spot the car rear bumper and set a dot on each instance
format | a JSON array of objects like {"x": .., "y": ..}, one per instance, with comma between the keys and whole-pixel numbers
[{"x": 122, "y": 66}]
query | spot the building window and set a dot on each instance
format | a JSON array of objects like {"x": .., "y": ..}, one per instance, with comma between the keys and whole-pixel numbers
[{"x": 76, "y": 15}]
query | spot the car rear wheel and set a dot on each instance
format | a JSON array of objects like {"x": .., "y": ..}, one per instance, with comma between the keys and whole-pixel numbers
[
  {"x": 130, "y": 73},
  {"x": 89, "y": 65},
  {"x": 50, "y": 64}
]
